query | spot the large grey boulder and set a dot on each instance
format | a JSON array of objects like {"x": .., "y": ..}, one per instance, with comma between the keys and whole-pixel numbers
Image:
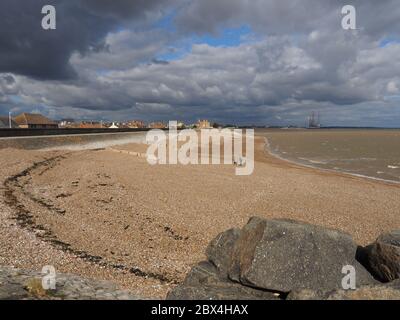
[
  {"x": 383, "y": 257},
  {"x": 209, "y": 279},
  {"x": 268, "y": 259},
  {"x": 204, "y": 283},
  {"x": 219, "y": 251},
  {"x": 285, "y": 255},
  {"x": 373, "y": 292}
]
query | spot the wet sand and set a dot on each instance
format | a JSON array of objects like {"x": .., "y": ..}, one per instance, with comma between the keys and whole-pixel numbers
[{"x": 110, "y": 215}]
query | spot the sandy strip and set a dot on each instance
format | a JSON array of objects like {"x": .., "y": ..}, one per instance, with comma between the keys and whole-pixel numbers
[{"x": 111, "y": 215}]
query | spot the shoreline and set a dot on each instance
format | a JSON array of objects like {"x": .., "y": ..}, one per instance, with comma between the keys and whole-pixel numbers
[{"x": 332, "y": 171}]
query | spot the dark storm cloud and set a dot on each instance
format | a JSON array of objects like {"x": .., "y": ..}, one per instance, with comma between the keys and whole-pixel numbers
[
  {"x": 27, "y": 49},
  {"x": 125, "y": 9}
]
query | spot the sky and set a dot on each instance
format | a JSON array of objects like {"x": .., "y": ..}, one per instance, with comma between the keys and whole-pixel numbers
[{"x": 261, "y": 62}]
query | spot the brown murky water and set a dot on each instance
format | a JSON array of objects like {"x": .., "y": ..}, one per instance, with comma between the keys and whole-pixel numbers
[{"x": 371, "y": 153}]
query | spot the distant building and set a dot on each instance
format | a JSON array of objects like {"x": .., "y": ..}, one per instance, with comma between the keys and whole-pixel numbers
[
  {"x": 5, "y": 123},
  {"x": 90, "y": 125},
  {"x": 157, "y": 125},
  {"x": 204, "y": 124},
  {"x": 136, "y": 124},
  {"x": 122, "y": 125},
  {"x": 34, "y": 121},
  {"x": 67, "y": 123},
  {"x": 181, "y": 125},
  {"x": 113, "y": 126}
]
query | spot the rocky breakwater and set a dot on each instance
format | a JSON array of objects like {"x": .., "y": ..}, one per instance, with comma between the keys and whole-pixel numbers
[
  {"x": 17, "y": 284},
  {"x": 285, "y": 259}
]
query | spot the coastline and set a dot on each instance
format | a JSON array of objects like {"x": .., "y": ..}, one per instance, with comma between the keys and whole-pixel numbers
[{"x": 333, "y": 171}]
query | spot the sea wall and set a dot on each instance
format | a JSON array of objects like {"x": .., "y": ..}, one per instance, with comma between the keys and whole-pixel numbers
[
  {"x": 57, "y": 132},
  {"x": 73, "y": 141}
]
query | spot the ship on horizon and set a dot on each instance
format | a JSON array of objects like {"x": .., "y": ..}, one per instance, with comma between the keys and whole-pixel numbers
[{"x": 314, "y": 121}]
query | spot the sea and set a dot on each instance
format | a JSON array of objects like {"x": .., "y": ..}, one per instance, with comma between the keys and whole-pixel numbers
[{"x": 372, "y": 153}]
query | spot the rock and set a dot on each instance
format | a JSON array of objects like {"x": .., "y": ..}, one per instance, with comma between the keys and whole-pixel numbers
[
  {"x": 204, "y": 283},
  {"x": 272, "y": 259},
  {"x": 307, "y": 294},
  {"x": 375, "y": 292},
  {"x": 16, "y": 284},
  {"x": 230, "y": 291},
  {"x": 11, "y": 291},
  {"x": 383, "y": 257},
  {"x": 205, "y": 273},
  {"x": 219, "y": 251},
  {"x": 285, "y": 255}
]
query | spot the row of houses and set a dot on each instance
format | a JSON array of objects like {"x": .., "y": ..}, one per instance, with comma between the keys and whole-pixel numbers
[
  {"x": 38, "y": 121},
  {"x": 28, "y": 121}
]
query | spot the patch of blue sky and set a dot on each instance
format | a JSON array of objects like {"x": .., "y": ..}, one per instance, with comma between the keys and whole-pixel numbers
[
  {"x": 229, "y": 37},
  {"x": 388, "y": 41}
]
